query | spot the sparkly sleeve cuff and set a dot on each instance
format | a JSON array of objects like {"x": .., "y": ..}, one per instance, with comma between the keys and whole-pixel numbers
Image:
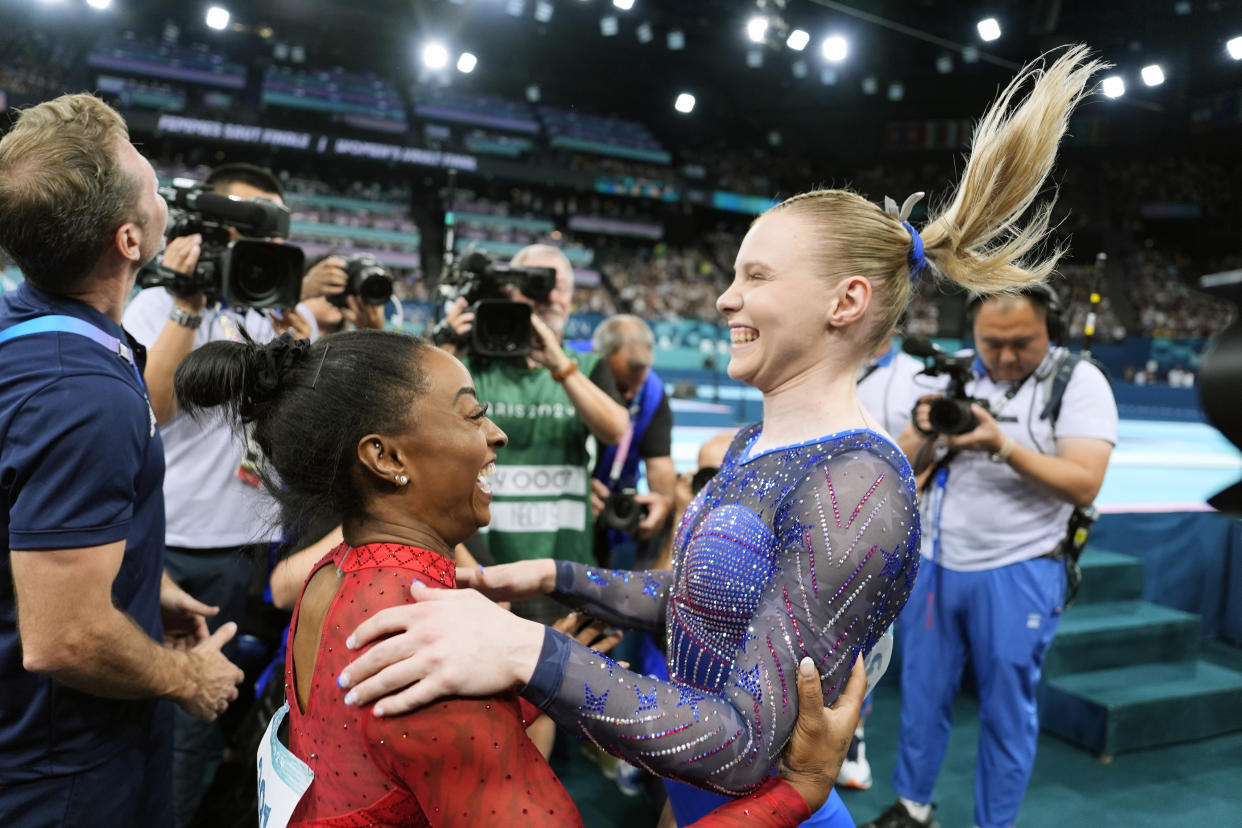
[
  {"x": 545, "y": 682},
  {"x": 564, "y": 578}
]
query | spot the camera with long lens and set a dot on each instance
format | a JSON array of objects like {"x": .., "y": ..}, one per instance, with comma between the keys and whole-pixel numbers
[
  {"x": 622, "y": 511},
  {"x": 365, "y": 278},
  {"x": 502, "y": 327},
  {"x": 248, "y": 271},
  {"x": 951, "y": 413}
]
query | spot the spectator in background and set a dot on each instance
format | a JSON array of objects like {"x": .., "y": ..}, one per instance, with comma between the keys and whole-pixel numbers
[
  {"x": 84, "y": 601},
  {"x": 626, "y": 345},
  {"x": 220, "y": 524}
]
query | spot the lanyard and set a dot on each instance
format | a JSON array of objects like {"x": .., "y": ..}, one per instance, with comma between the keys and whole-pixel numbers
[{"x": 73, "y": 325}]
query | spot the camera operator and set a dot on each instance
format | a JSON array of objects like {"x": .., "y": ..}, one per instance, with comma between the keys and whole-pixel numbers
[
  {"x": 84, "y": 603},
  {"x": 995, "y": 512},
  {"x": 324, "y": 293},
  {"x": 886, "y": 386},
  {"x": 218, "y": 519},
  {"x": 627, "y": 347},
  {"x": 549, "y": 407}
]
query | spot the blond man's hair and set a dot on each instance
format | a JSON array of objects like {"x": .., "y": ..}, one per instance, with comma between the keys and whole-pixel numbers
[
  {"x": 982, "y": 237},
  {"x": 63, "y": 193}
]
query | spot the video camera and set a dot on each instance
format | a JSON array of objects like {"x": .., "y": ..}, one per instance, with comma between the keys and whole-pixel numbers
[
  {"x": 367, "y": 279},
  {"x": 951, "y": 414},
  {"x": 502, "y": 327},
  {"x": 622, "y": 511},
  {"x": 246, "y": 271}
]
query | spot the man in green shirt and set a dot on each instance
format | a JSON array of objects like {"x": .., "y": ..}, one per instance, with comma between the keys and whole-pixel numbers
[{"x": 548, "y": 403}]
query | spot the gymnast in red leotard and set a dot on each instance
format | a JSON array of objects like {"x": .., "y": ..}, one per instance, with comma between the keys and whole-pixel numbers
[{"x": 385, "y": 432}]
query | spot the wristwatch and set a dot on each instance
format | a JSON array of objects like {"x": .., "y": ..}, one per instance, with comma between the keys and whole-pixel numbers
[
  {"x": 1001, "y": 455},
  {"x": 185, "y": 319}
]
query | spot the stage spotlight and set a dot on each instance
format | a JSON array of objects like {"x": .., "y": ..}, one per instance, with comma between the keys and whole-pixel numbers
[
  {"x": 1153, "y": 75},
  {"x": 466, "y": 63},
  {"x": 1114, "y": 86},
  {"x": 435, "y": 56},
  {"x": 756, "y": 28},
  {"x": 676, "y": 40},
  {"x": 99, "y": 4},
  {"x": 644, "y": 32},
  {"x": 1234, "y": 47},
  {"x": 608, "y": 25},
  {"x": 944, "y": 64},
  {"x": 623, "y": 5},
  {"x": 684, "y": 103},
  {"x": 543, "y": 11},
  {"x": 835, "y": 48},
  {"x": 217, "y": 17},
  {"x": 988, "y": 28},
  {"x": 870, "y": 85},
  {"x": 797, "y": 40}
]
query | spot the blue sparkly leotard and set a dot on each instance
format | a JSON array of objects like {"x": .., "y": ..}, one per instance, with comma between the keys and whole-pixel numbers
[{"x": 804, "y": 550}]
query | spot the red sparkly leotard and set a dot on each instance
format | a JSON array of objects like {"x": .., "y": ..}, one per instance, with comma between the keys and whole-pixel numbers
[
  {"x": 454, "y": 763},
  {"x": 462, "y": 762}
]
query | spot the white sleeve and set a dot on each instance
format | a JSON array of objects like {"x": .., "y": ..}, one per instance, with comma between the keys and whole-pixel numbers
[
  {"x": 146, "y": 315},
  {"x": 1088, "y": 408}
]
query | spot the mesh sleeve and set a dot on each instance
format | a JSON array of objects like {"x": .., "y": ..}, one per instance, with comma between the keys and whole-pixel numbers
[
  {"x": 848, "y": 541},
  {"x": 636, "y": 600}
]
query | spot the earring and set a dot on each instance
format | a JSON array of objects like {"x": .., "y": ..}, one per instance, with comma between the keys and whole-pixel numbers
[{"x": 402, "y": 479}]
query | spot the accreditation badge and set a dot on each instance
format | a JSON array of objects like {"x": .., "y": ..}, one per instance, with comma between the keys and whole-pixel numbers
[{"x": 283, "y": 777}]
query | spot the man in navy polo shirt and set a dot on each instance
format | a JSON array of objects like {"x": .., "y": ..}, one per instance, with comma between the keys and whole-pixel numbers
[{"x": 92, "y": 634}]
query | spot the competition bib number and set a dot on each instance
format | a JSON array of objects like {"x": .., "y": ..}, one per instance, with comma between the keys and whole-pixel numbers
[{"x": 283, "y": 777}]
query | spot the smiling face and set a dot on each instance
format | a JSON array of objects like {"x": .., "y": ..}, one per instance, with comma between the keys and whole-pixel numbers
[
  {"x": 776, "y": 307},
  {"x": 448, "y": 450}
]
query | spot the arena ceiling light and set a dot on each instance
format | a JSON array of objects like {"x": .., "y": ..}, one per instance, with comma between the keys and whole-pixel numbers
[
  {"x": 896, "y": 91},
  {"x": 99, "y": 4},
  {"x": 515, "y": 7},
  {"x": 757, "y": 28},
  {"x": 645, "y": 33},
  {"x": 684, "y": 103},
  {"x": 944, "y": 64},
  {"x": 466, "y": 63},
  {"x": 676, "y": 40},
  {"x": 217, "y": 17},
  {"x": 434, "y": 55},
  {"x": 835, "y": 48},
  {"x": 989, "y": 29},
  {"x": 1234, "y": 48},
  {"x": 543, "y": 11},
  {"x": 1113, "y": 86},
  {"x": 797, "y": 40},
  {"x": 608, "y": 25},
  {"x": 1152, "y": 75},
  {"x": 623, "y": 5}
]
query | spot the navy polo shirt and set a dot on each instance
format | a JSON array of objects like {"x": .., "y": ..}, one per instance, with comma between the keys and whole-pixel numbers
[{"x": 81, "y": 464}]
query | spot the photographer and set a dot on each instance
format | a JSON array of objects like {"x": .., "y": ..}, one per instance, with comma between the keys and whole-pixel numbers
[
  {"x": 995, "y": 513},
  {"x": 218, "y": 520},
  {"x": 84, "y": 603},
  {"x": 626, "y": 345},
  {"x": 549, "y": 407}
]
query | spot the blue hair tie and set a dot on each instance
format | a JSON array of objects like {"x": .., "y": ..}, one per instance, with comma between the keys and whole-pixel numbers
[{"x": 918, "y": 260}]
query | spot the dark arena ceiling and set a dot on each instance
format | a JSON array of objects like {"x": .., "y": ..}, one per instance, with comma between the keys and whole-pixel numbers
[{"x": 922, "y": 46}]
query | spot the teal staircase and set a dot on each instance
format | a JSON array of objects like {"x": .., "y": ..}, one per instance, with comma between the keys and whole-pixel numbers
[{"x": 1124, "y": 674}]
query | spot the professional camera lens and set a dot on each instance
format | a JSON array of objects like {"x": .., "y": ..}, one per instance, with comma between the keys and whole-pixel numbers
[
  {"x": 622, "y": 512},
  {"x": 367, "y": 279},
  {"x": 261, "y": 274},
  {"x": 952, "y": 416}
]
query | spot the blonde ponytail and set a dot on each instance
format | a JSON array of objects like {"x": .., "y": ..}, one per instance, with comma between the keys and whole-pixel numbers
[{"x": 981, "y": 240}]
